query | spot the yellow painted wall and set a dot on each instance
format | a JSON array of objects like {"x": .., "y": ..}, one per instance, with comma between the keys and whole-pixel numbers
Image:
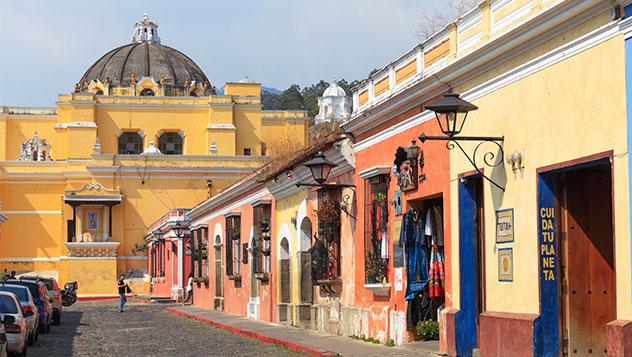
[
  {"x": 406, "y": 72},
  {"x": 286, "y": 209},
  {"x": 243, "y": 89},
  {"x": 437, "y": 53},
  {"x": 381, "y": 86},
  {"x": 540, "y": 116}
]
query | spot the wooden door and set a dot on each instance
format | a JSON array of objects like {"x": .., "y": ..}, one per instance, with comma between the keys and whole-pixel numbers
[
  {"x": 588, "y": 285},
  {"x": 219, "y": 279}
]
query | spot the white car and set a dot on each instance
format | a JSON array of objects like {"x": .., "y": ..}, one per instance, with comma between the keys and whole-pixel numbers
[
  {"x": 15, "y": 324},
  {"x": 29, "y": 309}
]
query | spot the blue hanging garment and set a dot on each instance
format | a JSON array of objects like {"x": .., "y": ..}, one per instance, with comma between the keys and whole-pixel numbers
[{"x": 416, "y": 261}]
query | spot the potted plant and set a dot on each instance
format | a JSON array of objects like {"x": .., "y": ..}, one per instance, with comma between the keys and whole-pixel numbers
[
  {"x": 428, "y": 330},
  {"x": 236, "y": 232},
  {"x": 265, "y": 225},
  {"x": 380, "y": 197},
  {"x": 328, "y": 212},
  {"x": 375, "y": 270}
]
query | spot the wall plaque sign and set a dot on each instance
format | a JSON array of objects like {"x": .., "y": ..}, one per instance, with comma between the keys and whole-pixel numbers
[
  {"x": 398, "y": 256},
  {"x": 505, "y": 226},
  {"x": 505, "y": 264}
]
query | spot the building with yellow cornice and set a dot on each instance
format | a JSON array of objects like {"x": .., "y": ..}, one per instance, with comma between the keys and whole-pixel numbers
[{"x": 143, "y": 131}]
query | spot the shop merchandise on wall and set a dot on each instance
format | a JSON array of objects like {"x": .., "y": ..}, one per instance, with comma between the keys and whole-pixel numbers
[{"x": 422, "y": 237}]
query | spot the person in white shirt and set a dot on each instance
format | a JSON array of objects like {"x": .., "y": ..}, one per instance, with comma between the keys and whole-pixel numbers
[{"x": 189, "y": 292}]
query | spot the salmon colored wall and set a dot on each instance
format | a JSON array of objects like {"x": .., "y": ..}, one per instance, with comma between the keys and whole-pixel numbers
[
  {"x": 436, "y": 184},
  {"x": 237, "y": 294}
]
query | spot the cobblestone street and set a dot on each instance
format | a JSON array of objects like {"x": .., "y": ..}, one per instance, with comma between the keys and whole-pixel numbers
[{"x": 98, "y": 329}]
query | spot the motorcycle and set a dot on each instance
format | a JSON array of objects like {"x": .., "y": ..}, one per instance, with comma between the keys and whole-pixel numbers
[{"x": 69, "y": 294}]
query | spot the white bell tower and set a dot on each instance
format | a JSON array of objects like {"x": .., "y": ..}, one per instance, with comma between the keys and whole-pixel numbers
[{"x": 334, "y": 105}]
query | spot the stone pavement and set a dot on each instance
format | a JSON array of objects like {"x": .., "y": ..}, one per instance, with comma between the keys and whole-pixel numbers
[
  {"x": 97, "y": 328},
  {"x": 297, "y": 339}
]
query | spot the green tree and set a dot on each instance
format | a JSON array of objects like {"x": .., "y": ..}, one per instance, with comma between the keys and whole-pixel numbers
[
  {"x": 310, "y": 97},
  {"x": 291, "y": 99},
  {"x": 269, "y": 101}
]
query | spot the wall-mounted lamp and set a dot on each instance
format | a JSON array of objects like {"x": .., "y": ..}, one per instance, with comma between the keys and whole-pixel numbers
[
  {"x": 451, "y": 112},
  {"x": 515, "y": 159}
]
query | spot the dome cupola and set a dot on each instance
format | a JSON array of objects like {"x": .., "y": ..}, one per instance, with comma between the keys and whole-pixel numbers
[
  {"x": 145, "y": 67},
  {"x": 334, "y": 105}
]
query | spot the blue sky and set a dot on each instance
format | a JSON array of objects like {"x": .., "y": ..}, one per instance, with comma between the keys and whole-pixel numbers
[{"x": 47, "y": 45}]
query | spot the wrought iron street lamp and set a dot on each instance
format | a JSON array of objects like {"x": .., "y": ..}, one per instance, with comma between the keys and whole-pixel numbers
[
  {"x": 178, "y": 229},
  {"x": 320, "y": 167},
  {"x": 451, "y": 112}
]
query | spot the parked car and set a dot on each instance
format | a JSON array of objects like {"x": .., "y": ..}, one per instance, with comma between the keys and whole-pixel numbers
[
  {"x": 29, "y": 309},
  {"x": 53, "y": 291},
  {"x": 4, "y": 343},
  {"x": 14, "y": 323},
  {"x": 42, "y": 301}
]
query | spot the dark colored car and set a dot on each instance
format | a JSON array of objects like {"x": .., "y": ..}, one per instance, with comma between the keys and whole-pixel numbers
[
  {"x": 53, "y": 291},
  {"x": 42, "y": 300}
]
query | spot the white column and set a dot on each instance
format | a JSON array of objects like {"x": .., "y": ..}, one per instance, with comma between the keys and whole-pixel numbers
[
  {"x": 79, "y": 229},
  {"x": 420, "y": 60},
  {"x": 181, "y": 254}
]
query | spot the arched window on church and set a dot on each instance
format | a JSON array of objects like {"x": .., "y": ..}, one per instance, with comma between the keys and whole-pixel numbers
[
  {"x": 170, "y": 144},
  {"x": 147, "y": 92},
  {"x": 130, "y": 143}
]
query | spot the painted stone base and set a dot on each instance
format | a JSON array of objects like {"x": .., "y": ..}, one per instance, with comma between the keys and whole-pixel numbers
[
  {"x": 619, "y": 338},
  {"x": 218, "y": 303},
  {"x": 302, "y": 315},
  {"x": 494, "y": 339},
  {"x": 447, "y": 326},
  {"x": 280, "y": 313},
  {"x": 354, "y": 321},
  {"x": 253, "y": 309},
  {"x": 326, "y": 318}
]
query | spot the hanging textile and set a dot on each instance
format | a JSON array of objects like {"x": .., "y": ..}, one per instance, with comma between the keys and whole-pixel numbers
[
  {"x": 437, "y": 229},
  {"x": 436, "y": 280},
  {"x": 416, "y": 260}
]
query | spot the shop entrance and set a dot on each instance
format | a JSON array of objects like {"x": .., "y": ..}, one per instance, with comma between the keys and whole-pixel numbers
[
  {"x": 428, "y": 215},
  {"x": 587, "y": 280},
  {"x": 471, "y": 264}
]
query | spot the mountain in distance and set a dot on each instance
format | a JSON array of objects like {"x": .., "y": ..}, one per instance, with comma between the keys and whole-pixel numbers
[{"x": 271, "y": 90}]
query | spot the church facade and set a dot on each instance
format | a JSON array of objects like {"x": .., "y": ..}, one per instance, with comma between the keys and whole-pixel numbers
[{"x": 143, "y": 132}]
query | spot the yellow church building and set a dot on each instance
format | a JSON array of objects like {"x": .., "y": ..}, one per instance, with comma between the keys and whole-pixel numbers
[{"x": 143, "y": 132}]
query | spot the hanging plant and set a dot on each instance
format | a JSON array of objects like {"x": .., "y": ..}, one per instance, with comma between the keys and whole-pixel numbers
[
  {"x": 380, "y": 197},
  {"x": 236, "y": 232},
  {"x": 328, "y": 211},
  {"x": 375, "y": 269}
]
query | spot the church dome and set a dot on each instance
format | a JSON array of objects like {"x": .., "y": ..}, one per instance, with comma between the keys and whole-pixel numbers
[
  {"x": 145, "y": 57},
  {"x": 334, "y": 90}
]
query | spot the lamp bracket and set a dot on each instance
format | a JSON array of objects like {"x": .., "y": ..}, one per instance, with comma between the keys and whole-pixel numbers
[
  {"x": 346, "y": 199},
  {"x": 489, "y": 158}
]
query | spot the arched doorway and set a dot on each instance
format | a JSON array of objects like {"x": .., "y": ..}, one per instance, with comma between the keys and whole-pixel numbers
[
  {"x": 284, "y": 279},
  {"x": 305, "y": 261},
  {"x": 219, "y": 278}
]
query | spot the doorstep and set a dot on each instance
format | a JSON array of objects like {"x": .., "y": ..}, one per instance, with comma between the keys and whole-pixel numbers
[
  {"x": 296, "y": 339},
  {"x": 424, "y": 346}
]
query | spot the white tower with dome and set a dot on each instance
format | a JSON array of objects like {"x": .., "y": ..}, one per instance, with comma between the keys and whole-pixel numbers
[{"x": 334, "y": 105}]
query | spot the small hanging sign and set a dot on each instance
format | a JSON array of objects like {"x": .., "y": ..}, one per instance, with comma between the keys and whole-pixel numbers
[
  {"x": 398, "y": 256},
  {"x": 399, "y": 281}
]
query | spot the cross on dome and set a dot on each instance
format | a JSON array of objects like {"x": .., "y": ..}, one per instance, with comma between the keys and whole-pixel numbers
[{"x": 145, "y": 30}]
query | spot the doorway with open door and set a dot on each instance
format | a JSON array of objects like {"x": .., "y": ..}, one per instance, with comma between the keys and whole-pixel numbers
[
  {"x": 471, "y": 256},
  {"x": 576, "y": 259}
]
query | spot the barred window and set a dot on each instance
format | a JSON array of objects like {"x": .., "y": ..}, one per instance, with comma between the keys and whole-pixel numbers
[
  {"x": 130, "y": 143},
  {"x": 326, "y": 247},
  {"x": 233, "y": 245},
  {"x": 170, "y": 144},
  {"x": 261, "y": 241},
  {"x": 376, "y": 242}
]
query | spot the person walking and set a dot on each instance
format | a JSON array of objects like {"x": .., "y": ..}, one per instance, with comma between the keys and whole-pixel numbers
[
  {"x": 189, "y": 292},
  {"x": 122, "y": 290}
]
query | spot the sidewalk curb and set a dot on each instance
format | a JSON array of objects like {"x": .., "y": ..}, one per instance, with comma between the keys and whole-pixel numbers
[{"x": 293, "y": 346}]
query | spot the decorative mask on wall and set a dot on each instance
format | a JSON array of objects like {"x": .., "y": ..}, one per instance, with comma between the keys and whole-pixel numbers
[{"x": 405, "y": 167}]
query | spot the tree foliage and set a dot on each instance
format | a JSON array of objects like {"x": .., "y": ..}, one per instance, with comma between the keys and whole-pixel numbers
[{"x": 429, "y": 24}]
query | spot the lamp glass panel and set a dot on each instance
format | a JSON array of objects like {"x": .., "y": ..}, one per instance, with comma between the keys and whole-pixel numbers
[
  {"x": 317, "y": 173},
  {"x": 326, "y": 169}
]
